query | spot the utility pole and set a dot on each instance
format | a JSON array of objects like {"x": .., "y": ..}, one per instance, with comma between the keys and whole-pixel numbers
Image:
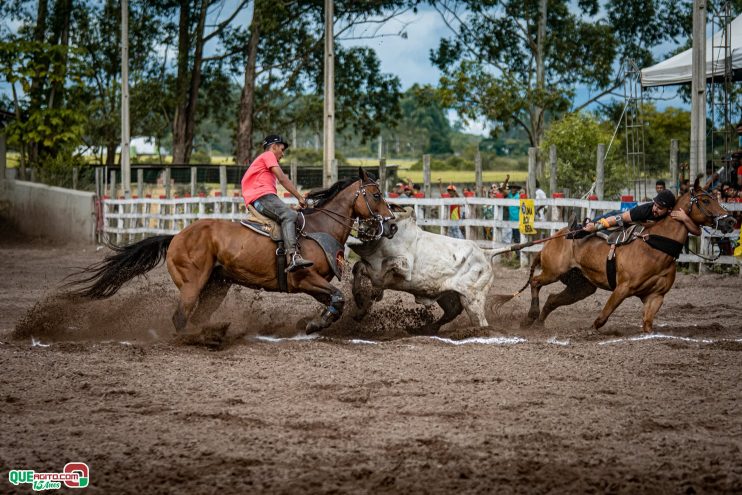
[
  {"x": 125, "y": 138},
  {"x": 698, "y": 92},
  {"x": 330, "y": 173}
]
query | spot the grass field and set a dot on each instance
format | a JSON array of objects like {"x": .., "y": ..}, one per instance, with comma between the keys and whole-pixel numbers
[
  {"x": 462, "y": 176},
  {"x": 446, "y": 176},
  {"x": 404, "y": 172}
]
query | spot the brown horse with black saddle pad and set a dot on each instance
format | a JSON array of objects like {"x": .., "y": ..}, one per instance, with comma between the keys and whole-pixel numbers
[
  {"x": 644, "y": 266},
  {"x": 208, "y": 256}
]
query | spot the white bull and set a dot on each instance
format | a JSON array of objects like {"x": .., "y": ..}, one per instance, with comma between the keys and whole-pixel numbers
[{"x": 455, "y": 273}]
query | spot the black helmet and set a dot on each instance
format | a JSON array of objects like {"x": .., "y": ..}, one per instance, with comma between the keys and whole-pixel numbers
[
  {"x": 274, "y": 139},
  {"x": 665, "y": 199}
]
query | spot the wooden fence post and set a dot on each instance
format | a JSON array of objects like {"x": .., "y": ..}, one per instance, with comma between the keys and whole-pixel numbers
[
  {"x": 140, "y": 182},
  {"x": 600, "y": 172},
  {"x": 531, "y": 183},
  {"x": 525, "y": 258},
  {"x": 674, "y": 166},
  {"x": 166, "y": 180},
  {"x": 553, "y": 180},
  {"x": 382, "y": 175},
  {"x": 294, "y": 172},
  {"x": 75, "y": 176},
  {"x": 223, "y": 180},
  {"x": 194, "y": 180},
  {"x": 426, "y": 176},
  {"x": 478, "y": 174},
  {"x": 98, "y": 188},
  {"x": 112, "y": 185}
]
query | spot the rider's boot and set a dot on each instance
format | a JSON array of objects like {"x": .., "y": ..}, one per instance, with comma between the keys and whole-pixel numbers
[{"x": 296, "y": 262}]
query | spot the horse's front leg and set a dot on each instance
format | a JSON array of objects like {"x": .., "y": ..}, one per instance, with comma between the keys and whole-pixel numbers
[
  {"x": 652, "y": 304},
  {"x": 322, "y": 290},
  {"x": 619, "y": 294}
]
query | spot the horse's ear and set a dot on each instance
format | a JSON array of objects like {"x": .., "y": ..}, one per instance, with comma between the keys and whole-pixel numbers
[
  {"x": 362, "y": 173},
  {"x": 396, "y": 208},
  {"x": 697, "y": 183}
]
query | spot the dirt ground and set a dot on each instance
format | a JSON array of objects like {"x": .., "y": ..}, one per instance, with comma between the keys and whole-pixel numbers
[{"x": 364, "y": 408}]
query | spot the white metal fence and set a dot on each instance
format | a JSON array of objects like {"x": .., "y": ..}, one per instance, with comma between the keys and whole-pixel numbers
[{"x": 125, "y": 220}]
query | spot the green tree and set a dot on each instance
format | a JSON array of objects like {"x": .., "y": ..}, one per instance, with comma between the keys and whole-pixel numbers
[
  {"x": 661, "y": 127},
  {"x": 576, "y": 137},
  {"x": 515, "y": 62},
  {"x": 282, "y": 56}
]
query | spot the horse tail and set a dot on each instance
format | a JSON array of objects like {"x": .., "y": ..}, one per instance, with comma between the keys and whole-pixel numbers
[
  {"x": 106, "y": 277},
  {"x": 502, "y": 299}
]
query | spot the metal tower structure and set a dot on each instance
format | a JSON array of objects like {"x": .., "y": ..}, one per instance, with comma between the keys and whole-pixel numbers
[
  {"x": 634, "y": 128},
  {"x": 721, "y": 133}
]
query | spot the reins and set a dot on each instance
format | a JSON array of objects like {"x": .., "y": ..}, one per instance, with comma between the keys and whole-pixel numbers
[
  {"x": 348, "y": 222},
  {"x": 717, "y": 218}
]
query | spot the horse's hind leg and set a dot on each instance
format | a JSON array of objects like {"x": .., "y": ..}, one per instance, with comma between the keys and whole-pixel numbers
[
  {"x": 212, "y": 295},
  {"x": 190, "y": 280},
  {"x": 652, "y": 304},
  {"x": 577, "y": 289}
]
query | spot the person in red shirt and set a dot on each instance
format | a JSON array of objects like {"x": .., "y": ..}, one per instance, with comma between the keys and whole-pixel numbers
[{"x": 259, "y": 190}]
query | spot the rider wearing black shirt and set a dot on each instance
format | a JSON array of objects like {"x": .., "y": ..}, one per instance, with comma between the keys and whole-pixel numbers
[{"x": 660, "y": 207}]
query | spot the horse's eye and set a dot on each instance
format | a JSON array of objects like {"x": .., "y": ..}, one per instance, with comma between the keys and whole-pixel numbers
[{"x": 377, "y": 196}]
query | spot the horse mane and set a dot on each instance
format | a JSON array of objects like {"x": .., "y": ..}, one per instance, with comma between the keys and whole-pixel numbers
[{"x": 322, "y": 196}]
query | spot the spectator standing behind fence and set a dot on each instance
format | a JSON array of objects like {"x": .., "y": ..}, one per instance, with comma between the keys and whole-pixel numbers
[
  {"x": 488, "y": 212},
  {"x": 514, "y": 212},
  {"x": 540, "y": 210},
  {"x": 659, "y": 185},
  {"x": 454, "y": 211}
]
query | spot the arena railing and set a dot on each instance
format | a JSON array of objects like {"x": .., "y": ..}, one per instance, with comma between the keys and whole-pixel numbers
[{"x": 126, "y": 220}]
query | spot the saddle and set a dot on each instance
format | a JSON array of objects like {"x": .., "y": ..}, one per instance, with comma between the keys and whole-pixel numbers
[
  {"x": 334, "y": 251},
  {"x": 261, "y": 224}
]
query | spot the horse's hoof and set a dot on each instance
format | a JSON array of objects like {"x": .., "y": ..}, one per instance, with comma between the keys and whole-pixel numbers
[
  {"x": 527, "y": 323},
  {"x": 313, "y": 327}
]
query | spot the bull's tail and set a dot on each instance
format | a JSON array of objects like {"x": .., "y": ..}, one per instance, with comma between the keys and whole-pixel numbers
[
  {"x": 103, "y": 279},
  {"x": 499, "y": 300}
]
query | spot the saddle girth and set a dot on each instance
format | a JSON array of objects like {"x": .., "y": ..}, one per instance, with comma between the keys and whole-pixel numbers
[
  {"x": 614, "y": 238},
  {"x": 670, "y": 247}
]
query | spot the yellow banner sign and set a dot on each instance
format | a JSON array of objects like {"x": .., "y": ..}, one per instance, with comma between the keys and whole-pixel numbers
[{"x": 527, "y": 217}]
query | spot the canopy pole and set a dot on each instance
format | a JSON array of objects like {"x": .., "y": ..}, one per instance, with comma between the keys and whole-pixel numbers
[{"x": 698, "y": 92}]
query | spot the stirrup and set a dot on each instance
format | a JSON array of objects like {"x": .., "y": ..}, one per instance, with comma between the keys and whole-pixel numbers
[{"x": 297, "y": 263}]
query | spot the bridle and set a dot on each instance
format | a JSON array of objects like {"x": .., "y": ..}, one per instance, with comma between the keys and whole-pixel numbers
[
  {"x": 694, "y": 201},
  {"x": 374, "y": 225}
]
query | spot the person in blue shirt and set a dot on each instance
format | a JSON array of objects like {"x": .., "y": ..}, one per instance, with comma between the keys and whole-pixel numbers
[{"x": 514, "y": 211}]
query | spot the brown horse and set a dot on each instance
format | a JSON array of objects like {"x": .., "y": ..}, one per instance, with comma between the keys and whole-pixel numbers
[
  {"x": 208, "y": 256},
  {"x": 641, "y": 270}
]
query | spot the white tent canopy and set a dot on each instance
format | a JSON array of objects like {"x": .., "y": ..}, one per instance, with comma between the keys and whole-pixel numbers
[{"x": 678, "y": 70}]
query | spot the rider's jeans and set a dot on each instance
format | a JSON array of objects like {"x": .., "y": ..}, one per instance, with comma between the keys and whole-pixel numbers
[{"x": 272, "y": 207}]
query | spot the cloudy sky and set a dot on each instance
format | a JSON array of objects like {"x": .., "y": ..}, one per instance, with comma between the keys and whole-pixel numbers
[{"x": 409, "y": 58}]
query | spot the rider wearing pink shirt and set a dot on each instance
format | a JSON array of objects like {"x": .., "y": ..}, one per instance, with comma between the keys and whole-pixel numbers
[{"x": 259, "y": 190}]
